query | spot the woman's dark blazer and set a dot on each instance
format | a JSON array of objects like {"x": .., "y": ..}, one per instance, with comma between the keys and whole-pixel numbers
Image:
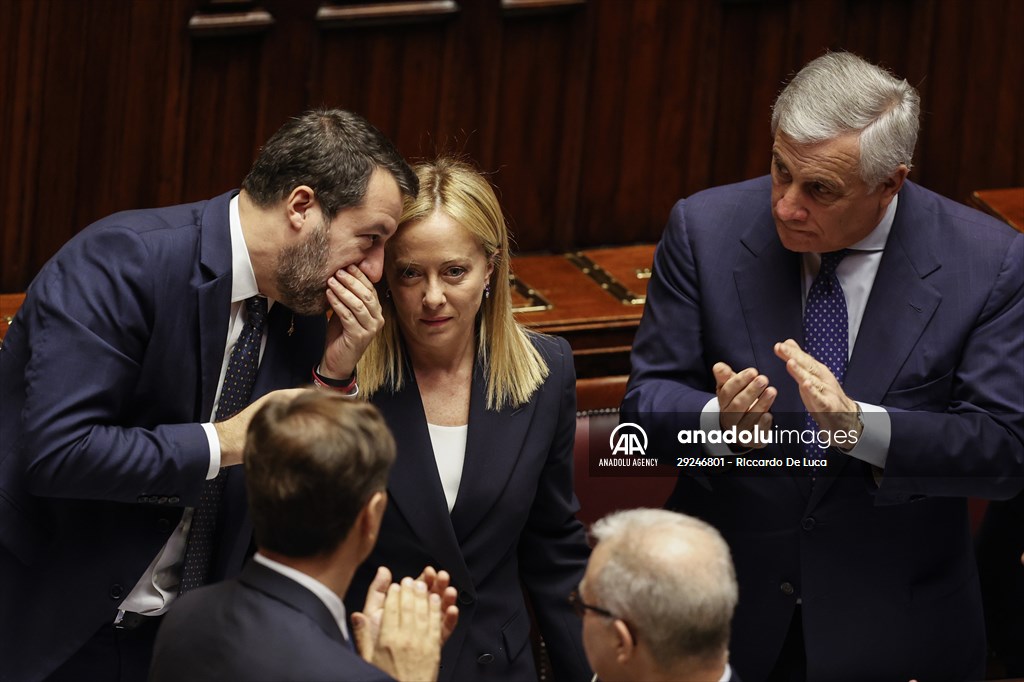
[{"x": 512, "y": 530}]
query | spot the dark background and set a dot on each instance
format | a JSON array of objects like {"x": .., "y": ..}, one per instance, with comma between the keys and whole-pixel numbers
[{"x": 593, "y": 115}]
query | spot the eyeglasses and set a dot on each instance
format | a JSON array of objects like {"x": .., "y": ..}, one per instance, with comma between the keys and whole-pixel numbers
[{"x": 580, "y": 606}]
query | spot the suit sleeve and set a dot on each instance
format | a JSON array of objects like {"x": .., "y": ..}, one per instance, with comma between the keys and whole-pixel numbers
[
  {"x": 670, "y": 378},
  {"x": 91, "y": 315},
  {"x": 974, "y": 444},
  {"x": 553, "y": 549}
]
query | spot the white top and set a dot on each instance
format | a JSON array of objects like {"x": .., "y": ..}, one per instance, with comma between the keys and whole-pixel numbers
[{"x": 449, "y": 443}]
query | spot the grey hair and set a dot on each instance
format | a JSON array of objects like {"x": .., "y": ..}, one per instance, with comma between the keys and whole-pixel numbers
[
  {"x": 671, "y": 578},
  {"x": 840, "y": 93}
]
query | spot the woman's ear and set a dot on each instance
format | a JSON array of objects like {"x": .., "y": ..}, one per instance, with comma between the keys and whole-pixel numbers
[{"x": 494, "y": 259}]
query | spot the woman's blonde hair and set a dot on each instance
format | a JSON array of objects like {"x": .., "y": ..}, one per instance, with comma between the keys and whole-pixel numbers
[{"x": 514, "y": 367}]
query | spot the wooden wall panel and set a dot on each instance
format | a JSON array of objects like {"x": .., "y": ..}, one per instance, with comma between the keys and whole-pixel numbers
[
  {"x": 392, "y": 75},
  {"x": 593, "y": 117},
  {"x": 224, "y": 108},
  {"x": 539, "y": 105},
  {"x": 646, "y": 117},
  {"x": 84, "y": 109},
  {"x": 20, "y": 93}
]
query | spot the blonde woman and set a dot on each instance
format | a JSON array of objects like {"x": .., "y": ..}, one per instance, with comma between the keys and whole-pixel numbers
[{"x": 483, "y": 412}]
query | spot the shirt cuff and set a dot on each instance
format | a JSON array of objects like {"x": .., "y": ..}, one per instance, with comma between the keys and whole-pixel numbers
[
  {"x": 214, "y": 440},
  {"x": 710, "y": 420},
  {"x": 873, "y": 445}
]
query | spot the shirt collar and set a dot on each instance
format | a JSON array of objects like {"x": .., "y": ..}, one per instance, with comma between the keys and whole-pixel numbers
[
  {"x": 243, "y": 279},
  {"x": 331, "y": 600}
]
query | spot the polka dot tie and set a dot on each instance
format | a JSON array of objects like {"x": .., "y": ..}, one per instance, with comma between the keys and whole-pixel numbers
[
  {"x": 826, "y": 330},
  {"x": 234, "y": 395}
]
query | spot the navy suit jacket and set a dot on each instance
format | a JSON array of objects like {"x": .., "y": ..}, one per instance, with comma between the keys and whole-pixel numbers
[
  {"x": 106, "y": 373},
  {"x": 513, "y": 525},
  {"x": 885, "y": 572},
  {"x": 259, "y": 626}
]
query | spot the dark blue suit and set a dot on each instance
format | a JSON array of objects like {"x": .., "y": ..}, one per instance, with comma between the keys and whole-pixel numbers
[
  {"x": 258, "y": 626},
  {"x": 885, "y": 573},
  {"x": 512, "y": 526},
  {"x": 108, "y": 369}
]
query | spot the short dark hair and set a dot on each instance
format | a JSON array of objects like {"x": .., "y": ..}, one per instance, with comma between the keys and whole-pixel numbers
[
  {"x": 333, "y": 151},
  {"x": 311, "y": 464}
]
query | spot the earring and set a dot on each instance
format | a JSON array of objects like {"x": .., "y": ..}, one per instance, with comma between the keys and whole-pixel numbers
[
  {"x": 387, "y": 293},
  {"x": 487, "y": 291}
]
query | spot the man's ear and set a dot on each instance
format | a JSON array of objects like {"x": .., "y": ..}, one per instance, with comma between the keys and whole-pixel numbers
[
  {"x": 625, "y": 646},
  {"x": 371, "y": 517},
  {"x": 300, "y": 201},
  {"x": 892, "y": 184}
]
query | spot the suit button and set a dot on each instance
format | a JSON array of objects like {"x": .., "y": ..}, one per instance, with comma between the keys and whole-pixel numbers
[
  {"x": 116, "y": 591},
  {"x": 142, "y": 499},
  {"x": 467, "y": 599},
  {"x": 174, "y": 499},
  {"x": 163, "y": 525},
  {"x": 787, "y": 588},
  {"x": 485, "y": 659},
  {"x": 162, "y": 499},
  {"x": 808, "y": 523}
]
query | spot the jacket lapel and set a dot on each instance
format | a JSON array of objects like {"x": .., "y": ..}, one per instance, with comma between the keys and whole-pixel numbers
[
  {"x": 493, "y": 445},
  {"x": 771, "y": 305},
  {"x": 768, "y": 284},
  {"x": 414, "y": 485},
  {"x": 898, "y": 309},
  {"x": 213, "y": 298}
]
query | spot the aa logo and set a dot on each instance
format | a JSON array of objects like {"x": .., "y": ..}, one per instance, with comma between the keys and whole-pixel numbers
[{"x": 628, "y": 439}]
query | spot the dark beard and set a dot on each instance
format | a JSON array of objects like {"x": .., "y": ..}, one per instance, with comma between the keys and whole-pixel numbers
[{"x": 302, "y": 273}]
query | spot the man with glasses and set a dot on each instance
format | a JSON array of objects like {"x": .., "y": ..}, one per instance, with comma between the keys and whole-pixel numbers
[{"x": 657, "y": 599}]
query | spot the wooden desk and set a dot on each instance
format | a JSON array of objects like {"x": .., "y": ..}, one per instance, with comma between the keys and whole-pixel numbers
[
  {"x": 9, "y": 304},
  {"x": 594, "y": 298},
  {"x": 1005, "y": 204}
]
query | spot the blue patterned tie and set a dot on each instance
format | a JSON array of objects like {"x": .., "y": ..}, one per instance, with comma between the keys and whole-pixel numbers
[
  {"x": 234, "y": 395},
  {"x": 826, "y": 330}
]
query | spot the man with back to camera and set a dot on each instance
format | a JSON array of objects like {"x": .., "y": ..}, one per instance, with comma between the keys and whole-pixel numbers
[
  {"x": 838, "y": 291},
  {"x": 316, "y": 470},
  {"x": 657, "y": 599},
  {"x": 125, "y": 375}
]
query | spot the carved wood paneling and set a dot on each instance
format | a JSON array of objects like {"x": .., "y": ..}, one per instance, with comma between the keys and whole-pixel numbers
[
  {"x": 348, "y": 14},
  {"x": 592, "y": 116}
]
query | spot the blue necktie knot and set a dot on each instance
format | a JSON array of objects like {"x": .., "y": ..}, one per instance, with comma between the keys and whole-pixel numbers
[
  {"x": 256, "y": 308},
  {"x": 830, "y": 261}
]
